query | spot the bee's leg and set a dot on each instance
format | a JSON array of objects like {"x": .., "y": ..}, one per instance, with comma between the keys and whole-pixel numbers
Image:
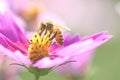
[
  {"x": 49, "y": 29},
  {"x": 53, "y": 36},
  {"x": 42, "y": 28},
  {"x": 50, "y": 33}
]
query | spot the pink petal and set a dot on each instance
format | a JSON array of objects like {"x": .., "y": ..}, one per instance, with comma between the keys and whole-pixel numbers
[
  {"x": 83, "y": 46},
  {"x": 82, "y": 61},
  {"x": 94, "y": 36},
  {"x": 47, "y": 62},
  {"x": 16, "y": 56},
  {"x": 70, "y": 50},
  {"x": 76, "y": 68},
  {"x": 22, "y": 58},
  {"x": 8, "y": 53},
  {"x": 13, "y": 45},
  {"x": 93, "y": 45}
]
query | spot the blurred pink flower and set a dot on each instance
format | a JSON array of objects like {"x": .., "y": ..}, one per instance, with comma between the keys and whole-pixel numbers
[
  {"x": 7, "y": 72},
  {"x": 15, "y": 45},
  {"x": 5, "y": 7},
  {"x": 33, "y": 12},
  {"x": 29, "y": 12}
]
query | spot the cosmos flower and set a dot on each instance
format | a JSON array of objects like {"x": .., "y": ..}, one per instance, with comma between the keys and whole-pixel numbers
[{"x": 49, "y": 54}]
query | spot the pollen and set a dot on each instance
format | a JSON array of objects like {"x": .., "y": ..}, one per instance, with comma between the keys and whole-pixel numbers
[{"x": 39, "y": 47}]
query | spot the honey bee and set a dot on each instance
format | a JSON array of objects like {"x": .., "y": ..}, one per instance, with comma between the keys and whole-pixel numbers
[
  {"x": 52, "y": 30},
  {"x": 41, "y": 41}
]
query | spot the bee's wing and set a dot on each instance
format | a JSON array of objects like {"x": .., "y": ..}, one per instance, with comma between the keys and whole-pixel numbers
[
  {"x": 62, "y": 27},
  {"x": 66, "y": 28}
]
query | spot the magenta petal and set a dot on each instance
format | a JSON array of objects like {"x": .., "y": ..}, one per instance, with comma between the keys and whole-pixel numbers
[
  {"x": 9, "y": 44},
  {"x": 75, "y": 38},
  {"x": 3, "y": 41},
  {"x": 10, "y": 29},
  {"x": 7, "y": 27},
  {"x": 21, "y": 35},
  {"x": 67, "y": 39}
]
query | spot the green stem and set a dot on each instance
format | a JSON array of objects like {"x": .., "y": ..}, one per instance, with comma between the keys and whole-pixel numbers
[{"x": 37, "y": 77}]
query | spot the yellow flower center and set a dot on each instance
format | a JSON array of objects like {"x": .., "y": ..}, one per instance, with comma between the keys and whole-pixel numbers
[
  {"x": 41, "y": 41},
  {"x": 39, "y": 47}
]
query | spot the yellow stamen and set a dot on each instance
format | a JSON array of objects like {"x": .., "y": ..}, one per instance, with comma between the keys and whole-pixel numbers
[
  {"x": 41, "y": 42},
  {"x": 39, "y": 47}
]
